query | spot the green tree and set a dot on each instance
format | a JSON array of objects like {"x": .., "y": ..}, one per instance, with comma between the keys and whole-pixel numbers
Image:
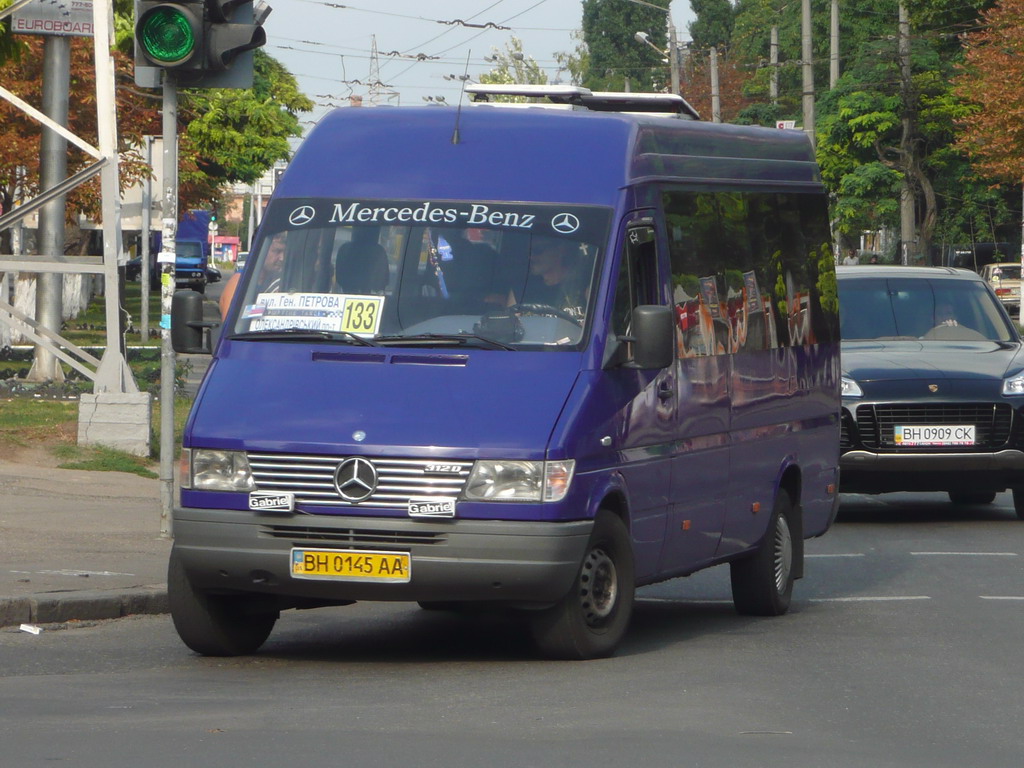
[
  {"x": 238, "y": 134},
  {"x": 713, "y": 24},
  {"x": 615, "y": 56}
]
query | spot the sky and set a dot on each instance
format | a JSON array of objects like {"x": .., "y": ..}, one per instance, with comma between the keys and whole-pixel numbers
[{"x": 423, "y": 48}]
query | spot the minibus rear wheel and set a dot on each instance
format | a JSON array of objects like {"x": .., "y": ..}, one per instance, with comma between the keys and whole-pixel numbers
[
  {"x": 215, "y": 625},
  {"x": 762, "y": 583},
  {"x": 590, "y": 621}
]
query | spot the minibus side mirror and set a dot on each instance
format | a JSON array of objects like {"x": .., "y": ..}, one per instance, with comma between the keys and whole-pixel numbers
[
  {"x": 188, "y": 329},
  {"x": 653, "y": 336},
  {"x": 651, "y": 343}
]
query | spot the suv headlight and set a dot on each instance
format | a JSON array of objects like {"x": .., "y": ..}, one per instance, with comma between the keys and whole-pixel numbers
[
  {"x": 851, "y": 388},
  {"x": 219, "y": 471},
  {"x": 520, "y": 480},
  {"x": 1014, "y": 385}
]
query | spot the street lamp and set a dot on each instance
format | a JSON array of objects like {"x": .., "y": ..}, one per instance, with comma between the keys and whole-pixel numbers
[{"x": 673, "y": 46}]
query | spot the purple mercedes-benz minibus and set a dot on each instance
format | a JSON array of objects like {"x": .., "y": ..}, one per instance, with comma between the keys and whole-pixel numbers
[{"x": 525, "y": 358}]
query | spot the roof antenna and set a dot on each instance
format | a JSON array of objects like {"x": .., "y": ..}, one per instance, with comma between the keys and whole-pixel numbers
[{"x": 462, "y": 92}]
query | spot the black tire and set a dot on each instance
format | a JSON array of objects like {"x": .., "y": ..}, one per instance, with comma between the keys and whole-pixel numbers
[
  {"x": 762, "y": 583},
  {"x": 216, "y": 625},
  {"x": 1018, "y": 502},
  {"x": 592, "y": 618},
  {"x": 972, "y": 497}
]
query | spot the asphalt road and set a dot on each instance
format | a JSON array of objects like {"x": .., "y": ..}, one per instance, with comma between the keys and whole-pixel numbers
[{"x": 902, "y": 649}]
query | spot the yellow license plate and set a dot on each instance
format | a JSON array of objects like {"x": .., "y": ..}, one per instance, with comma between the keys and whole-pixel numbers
[{"x": 351, "y": 565}]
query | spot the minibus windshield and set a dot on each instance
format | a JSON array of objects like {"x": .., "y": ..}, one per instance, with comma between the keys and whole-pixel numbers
[{"x": 423, "y": 273}]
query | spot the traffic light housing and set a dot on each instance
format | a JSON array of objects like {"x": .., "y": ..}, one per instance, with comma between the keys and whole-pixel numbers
[
  {"x": 205, "y": 43},
  {"x": 170, "y": 35}
]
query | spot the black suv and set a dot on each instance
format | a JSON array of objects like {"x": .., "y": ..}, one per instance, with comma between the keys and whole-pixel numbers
[{"x": 933, "y": 385}]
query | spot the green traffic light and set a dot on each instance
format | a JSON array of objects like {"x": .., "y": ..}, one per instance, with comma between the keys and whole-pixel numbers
[{"x": 166, "y": 34}]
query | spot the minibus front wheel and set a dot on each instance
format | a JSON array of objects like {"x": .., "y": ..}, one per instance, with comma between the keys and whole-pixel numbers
[
  {"x": 591, "y": 619},
  {"x": 215, "y": 625}
]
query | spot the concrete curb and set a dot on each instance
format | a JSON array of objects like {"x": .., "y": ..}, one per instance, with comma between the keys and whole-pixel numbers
[{"x": 85, "y": 605}]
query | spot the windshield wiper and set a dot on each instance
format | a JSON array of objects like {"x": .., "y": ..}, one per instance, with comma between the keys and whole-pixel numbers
[
  {"x": 305, "y": 334},
  {"x": 449, "y": 338}
]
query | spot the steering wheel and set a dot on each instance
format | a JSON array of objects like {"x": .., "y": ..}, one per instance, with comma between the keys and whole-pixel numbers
[{"x": 546, "y": 310}]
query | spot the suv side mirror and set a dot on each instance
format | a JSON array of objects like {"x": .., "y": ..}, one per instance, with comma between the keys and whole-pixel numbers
[{"x": 188, "y": 329}]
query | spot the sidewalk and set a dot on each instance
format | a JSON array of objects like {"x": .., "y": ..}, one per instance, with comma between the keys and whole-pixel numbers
[{"x": 79, "y": 545}]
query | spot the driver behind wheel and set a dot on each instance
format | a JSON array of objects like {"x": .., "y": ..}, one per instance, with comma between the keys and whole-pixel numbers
[{"x": 555, "y": 277}]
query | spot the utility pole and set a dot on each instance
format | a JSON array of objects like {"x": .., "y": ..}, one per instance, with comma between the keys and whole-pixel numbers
[
  {"x": 53, "y": 160},
  {"x": 166, "y": 261},
  {"x": 833, "y": 69},
  {"x": 907, "y": 218},
  {"x": 147, "y": 211},
  {"x": 673, "y": 53},
  {"x": 773, "y": 59},
  {"x": 808, "y": 68},
  {"x": 716, "y": 100}
]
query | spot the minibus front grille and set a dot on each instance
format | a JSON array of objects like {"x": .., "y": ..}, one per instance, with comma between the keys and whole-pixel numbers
[
  {"x": 350, "y": 537},
  {"x": 311, "y": 479}
]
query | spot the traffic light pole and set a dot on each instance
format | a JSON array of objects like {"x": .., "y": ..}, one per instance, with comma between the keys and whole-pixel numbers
[{"x": 165, "y": 261}]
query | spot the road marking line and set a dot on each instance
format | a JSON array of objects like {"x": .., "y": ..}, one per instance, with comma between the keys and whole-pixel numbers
[
  {"x": 879, "y": 599},
  {"x": 680, "y": 600},
  {"x": 966, "y": 554},
  {"x": 847, "y": 554},
  {"x": 1001, "y": 597}
]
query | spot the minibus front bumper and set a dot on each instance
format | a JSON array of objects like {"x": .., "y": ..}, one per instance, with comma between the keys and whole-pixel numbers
[{"x": 451, "y": 560}]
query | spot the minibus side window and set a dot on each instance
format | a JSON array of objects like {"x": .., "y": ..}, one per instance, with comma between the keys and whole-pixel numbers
[
  {"x": 638, "y": 277},
  {"x": 750, "y": 270}
]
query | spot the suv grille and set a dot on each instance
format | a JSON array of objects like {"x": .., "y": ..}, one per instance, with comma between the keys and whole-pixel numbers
[
  {"x": 311, "y": 479},
  {"x": 992, "y": 421}
]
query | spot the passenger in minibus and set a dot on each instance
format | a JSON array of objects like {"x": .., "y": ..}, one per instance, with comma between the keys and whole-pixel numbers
[{"x": 361, "y": 266}]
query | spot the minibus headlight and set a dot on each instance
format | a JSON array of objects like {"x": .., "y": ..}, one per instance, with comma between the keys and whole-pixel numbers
[
  {"x": 519, "y": 480},
  {"x": 851, "y": 388},
  {"x": 220, "y": 471}
]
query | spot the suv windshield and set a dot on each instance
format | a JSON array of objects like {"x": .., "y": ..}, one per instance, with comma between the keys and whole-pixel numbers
[
  {"x": 920, "y": 308},
  {"x": 495, "y": 275}
]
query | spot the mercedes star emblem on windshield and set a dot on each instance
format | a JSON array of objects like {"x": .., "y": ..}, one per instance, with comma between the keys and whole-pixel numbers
[
  {"x": 301, "y": 215},
  {"x": 565, "y": 223}
]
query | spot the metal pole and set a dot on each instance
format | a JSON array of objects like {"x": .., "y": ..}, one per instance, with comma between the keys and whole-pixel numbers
[
  {"x": 908, "y": 220},
  {"x": 147, "y": 210},
  {"x": 807, "y": 54},
  {"x": 716, "y": 99},
  {"x": 673, "y": 52},
  {"x": 773, "y": 58},
  {"x": 833, "y": 68},
  {"x": 1021, "y": 317},
  {"x": 53, "y": 160},
  {"x": 252, "y": 219},
  {"x": 166, "y": 261}
]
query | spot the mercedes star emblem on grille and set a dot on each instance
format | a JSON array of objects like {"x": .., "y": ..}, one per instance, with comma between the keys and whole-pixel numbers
[{"x": 355, "y": 479}]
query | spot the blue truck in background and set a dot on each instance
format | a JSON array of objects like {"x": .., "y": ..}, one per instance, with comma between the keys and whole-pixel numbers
[
  {"x": 192, "y": 254},
  {"x": 192, "y": 249}
]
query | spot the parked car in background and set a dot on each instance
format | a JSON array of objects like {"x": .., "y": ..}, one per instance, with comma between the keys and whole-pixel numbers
[
  {"x": 191, "y": 269},
  {"x": 933, "y": 385},
  {"x": 1005, "y": 281},
  {"x": 243, "y": 256}
]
